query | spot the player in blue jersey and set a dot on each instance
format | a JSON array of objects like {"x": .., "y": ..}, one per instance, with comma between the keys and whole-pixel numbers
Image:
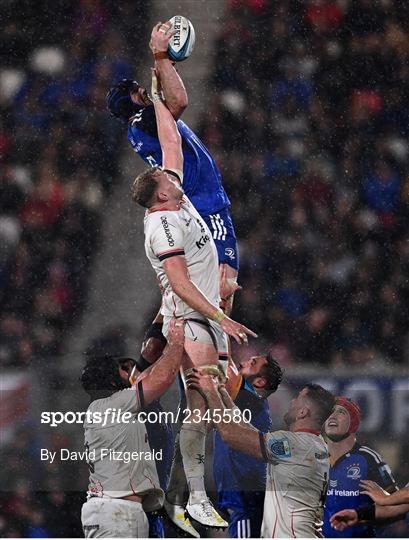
[
  {"x": 241, "y": 479},
  {"x": 202, "y": 181},
  {"x": 351, "y": 463}
]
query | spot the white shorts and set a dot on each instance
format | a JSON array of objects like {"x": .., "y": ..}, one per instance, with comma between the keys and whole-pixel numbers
[
  {"x": 199, "y": 329},
  {"x": 113, "y": 518}
]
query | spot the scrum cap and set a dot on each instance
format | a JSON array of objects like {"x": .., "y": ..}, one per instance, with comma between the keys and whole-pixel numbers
[{"x": 119, "y": 100}]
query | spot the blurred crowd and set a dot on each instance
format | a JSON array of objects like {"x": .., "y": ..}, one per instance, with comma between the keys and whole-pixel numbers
[
  {"x": 59, "y": 152},
  {"x": 59, "y": 157},
  {"x": 309, "y": 120}
]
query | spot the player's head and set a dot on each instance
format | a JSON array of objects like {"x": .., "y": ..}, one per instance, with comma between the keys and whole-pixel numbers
[
  {"x": 344, "y": 420},
  {"x": 312, "y": 405},
  {"x": 125, "y": 99},
  {"x": 263, "y": 372},
  {"x": 155, "y": 186},
  {"x": 104, "y": 375}
]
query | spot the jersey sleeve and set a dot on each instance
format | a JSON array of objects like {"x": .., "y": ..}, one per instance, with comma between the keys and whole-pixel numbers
[
  {"x": 167, "y": 237},
  {"x": 378, "y": 470},
  {"x": 126, "y": 400},
  {"x": 275, "y": 446}
]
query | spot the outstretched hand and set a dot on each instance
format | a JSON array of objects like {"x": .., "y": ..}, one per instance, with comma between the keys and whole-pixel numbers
[
  {"x": 373, "y": 490},
  {"x": 343, "y": 519},
  {"x": 236, "y": 330},
  {"x": 160, "y": 37}
]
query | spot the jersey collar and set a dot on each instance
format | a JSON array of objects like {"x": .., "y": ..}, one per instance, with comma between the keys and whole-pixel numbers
[{"x": 353, "y": 450}]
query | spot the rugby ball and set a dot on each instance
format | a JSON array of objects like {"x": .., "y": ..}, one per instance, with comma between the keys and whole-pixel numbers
[{"x": 182, "y": 43}]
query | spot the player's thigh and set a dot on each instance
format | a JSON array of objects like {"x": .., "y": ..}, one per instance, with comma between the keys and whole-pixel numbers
[{"x": 200, "y": 345}]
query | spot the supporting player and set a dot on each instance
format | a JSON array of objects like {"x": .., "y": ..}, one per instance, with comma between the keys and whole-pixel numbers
[
  {"x": 181, "y": 250},
  {"x": 121, "y": 491},
  {"x": 297, "y": 459},
  {"x": 202, "y": 181},
  {"x": 351, "y": 463},
  {"x": 240, "y": 479},
  {"x": 381, "y": 513}
]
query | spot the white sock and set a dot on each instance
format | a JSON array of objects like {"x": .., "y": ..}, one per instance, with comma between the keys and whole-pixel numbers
[{"x": 192, "y": 447}]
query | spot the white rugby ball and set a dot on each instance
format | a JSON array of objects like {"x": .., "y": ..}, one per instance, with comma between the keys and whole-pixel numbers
[{"x": 182, "y": 43}]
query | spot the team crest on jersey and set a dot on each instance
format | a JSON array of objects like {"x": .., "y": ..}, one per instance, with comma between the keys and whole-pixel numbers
[
  {"x": 229, "y": 252},
  {"x": 280, "y": 448},
  {"x": 354, "y": 472}
]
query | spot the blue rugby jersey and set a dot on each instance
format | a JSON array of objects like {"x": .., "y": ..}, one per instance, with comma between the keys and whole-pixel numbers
[
  {"x": 237, "y": 475},
  {"x": 202, "y": 180},
  {"x": 361, "y": 463}
]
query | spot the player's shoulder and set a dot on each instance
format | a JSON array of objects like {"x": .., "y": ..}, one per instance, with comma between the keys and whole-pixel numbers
[
  {"x": 369, "y": 454},
  {"x": 157, "y": 217},
  {"x": 144, "y": 120},
  {"x": 377, "y": 469},
  {"x": 143, "y": 114}
]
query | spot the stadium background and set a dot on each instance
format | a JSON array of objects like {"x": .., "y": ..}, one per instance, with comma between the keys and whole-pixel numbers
[{"x": 305, "y": 107}]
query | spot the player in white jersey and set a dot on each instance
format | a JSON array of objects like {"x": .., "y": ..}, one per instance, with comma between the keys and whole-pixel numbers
[
  {"x": 297, "y": 458},
  {"x": 181, "y": 250},
  {"x": 123, "y": 482}
]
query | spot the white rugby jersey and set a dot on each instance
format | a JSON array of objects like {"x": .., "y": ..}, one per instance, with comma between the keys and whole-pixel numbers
[
  {"x": 182, "y": 232},
  {"x": 113, "y": 477},
  {"x": 297, "y": 473}
]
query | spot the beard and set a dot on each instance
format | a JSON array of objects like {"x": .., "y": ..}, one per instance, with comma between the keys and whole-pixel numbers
[
  {"x": 336, "y": 437},
  {"x": 288, "y": 419}
]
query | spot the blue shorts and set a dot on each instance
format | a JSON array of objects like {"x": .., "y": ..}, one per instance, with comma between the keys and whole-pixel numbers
[
  {"x": 221, "y": 227},
  {"x": 246, "y": 523}
]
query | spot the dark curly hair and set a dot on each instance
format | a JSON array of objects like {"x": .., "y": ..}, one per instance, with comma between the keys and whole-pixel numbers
[
  {"x": 100, "y": 377},
  {"x": 273, "y": 373}
]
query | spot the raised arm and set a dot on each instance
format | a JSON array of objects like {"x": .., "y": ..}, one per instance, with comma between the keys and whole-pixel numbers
[
  {"x": 378, "y": 515},
  {"x": 240, "y": 436},
  {"x": 154, "y": 382},
  {"x": 390, "y": 513},
  {"x": 169, "y": 137},
  {"x": 172, "y": 85}
]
